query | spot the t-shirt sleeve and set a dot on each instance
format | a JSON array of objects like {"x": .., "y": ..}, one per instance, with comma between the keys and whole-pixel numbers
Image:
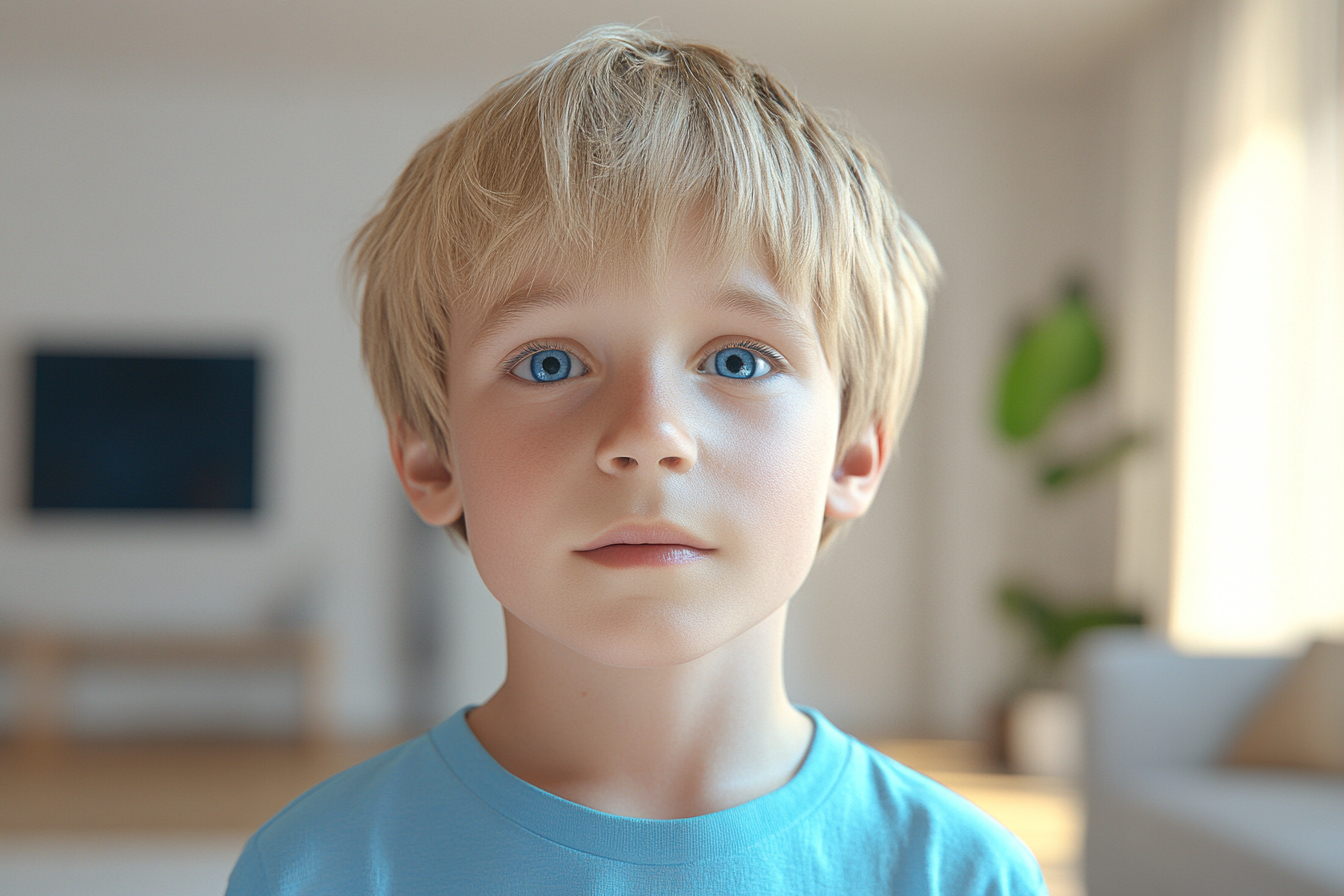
[
  {"x": 1019, "y": 876},
  {"x": 988, "y": 860},
  {"x": 944, "y": 844},
  {"x": 248, "y": 877}
]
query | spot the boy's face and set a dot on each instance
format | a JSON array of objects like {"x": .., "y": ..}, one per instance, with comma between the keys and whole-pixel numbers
[{"x": 645, "y": 472}]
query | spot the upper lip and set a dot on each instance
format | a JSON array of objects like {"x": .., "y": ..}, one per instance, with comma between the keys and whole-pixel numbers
[{"x": 646, "y": 533}]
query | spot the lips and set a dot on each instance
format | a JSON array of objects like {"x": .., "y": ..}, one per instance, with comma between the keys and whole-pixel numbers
[{"x": 645, "y": 545}]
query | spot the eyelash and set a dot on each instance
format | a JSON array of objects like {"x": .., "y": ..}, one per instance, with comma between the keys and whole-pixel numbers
[{"x": 766, "y": 350}]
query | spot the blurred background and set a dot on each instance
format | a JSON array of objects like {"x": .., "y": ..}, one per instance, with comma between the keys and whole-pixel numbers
[{"x": 178, "y": 182}]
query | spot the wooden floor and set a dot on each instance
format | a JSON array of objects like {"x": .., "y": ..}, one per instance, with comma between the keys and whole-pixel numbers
[
  {"x": 177, "y": 788},
  {"x": 161, "y": 786}
]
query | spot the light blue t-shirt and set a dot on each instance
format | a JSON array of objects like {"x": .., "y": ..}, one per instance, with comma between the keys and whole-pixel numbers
[{"x": 438, "y": 815}]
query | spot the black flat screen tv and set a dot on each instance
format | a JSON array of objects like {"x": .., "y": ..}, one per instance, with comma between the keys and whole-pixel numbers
[{"x": 143, "y": 431}]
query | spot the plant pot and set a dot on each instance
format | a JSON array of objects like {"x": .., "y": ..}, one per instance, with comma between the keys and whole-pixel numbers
[{"x": 1044, "y": 734}]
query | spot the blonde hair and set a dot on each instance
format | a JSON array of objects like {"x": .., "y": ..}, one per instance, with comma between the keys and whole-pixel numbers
[{"x": 597, "y": 155}]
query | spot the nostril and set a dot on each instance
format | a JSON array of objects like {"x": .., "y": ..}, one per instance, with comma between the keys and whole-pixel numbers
[
  {"x": 626, "y": 463},
  {"x": 671, "y": 463}
]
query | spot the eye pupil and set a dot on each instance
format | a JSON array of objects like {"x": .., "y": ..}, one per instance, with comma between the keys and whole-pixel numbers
[
  {"x": 733, "y": 363},
  {"x": 551, "y": 365}
]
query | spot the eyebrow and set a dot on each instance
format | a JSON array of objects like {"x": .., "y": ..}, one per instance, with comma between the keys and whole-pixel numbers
[
  {"x": 766, "y": 307},
  {"x": 520, "y": 304}
]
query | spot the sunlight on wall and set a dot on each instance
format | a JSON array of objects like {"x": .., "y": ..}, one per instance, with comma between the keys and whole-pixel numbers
[{"x": 1260, "y": 489}]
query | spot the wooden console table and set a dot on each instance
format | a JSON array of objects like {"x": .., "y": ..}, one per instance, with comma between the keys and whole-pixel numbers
[{"x": 45, "y": 659}]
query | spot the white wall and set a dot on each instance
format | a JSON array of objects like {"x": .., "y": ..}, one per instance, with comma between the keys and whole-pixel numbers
[
  {"x": 191, "y": 206},
  {"x": 1153, "y": 83}
]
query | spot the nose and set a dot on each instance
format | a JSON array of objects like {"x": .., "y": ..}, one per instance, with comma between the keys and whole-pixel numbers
[{"x": 647, "y": 430}]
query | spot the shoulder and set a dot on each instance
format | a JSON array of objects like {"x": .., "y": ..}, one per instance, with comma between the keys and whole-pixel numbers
[
  {"x": 927, "y": 832},
  {"x": 320, "y": 835}
]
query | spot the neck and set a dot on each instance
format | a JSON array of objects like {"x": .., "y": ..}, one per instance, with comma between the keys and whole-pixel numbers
[{"x": 668, "y": 742}]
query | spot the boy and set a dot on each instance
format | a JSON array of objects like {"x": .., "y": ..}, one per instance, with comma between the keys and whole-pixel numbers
[{"x": 644, "y": 328}]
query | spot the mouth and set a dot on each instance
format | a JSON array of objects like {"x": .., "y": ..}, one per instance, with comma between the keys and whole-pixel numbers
[{"x": 645, "y": 545}]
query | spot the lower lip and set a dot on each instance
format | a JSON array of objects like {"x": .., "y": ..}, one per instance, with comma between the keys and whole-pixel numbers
[{"x": 621, "y": 556}]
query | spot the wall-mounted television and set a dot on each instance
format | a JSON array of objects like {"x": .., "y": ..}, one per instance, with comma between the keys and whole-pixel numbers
[{"x": 117, "y": 430}]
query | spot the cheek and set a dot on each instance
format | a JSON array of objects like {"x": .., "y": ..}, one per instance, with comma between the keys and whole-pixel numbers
[
  {"x": 780, "y": 466},
  {"x": 496, "y": 472},
  {"x": 499, "y": 471},
  {"x": 515, "y": 493}
]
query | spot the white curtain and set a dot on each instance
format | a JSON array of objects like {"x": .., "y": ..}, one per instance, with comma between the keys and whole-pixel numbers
[{"x": 1258, "y": 544}]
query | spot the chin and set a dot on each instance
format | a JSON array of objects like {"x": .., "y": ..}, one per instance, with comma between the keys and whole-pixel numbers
[
  {"x": 649, "y": 654},
  {"x": 667, "y": 639}
]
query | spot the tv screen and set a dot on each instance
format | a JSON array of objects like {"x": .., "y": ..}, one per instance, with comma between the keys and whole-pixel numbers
[{"x": 114, "y": 431}]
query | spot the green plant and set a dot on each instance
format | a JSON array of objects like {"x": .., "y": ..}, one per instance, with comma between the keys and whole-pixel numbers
[
  {"x": 1054, "y": 359},
  {"x": 1060, "y": 356}
]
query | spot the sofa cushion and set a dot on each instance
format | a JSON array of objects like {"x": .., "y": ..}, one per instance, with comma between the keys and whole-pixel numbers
[
  {"x": 1293, "y": 820},
  {"x": 1300, "y": 723}
]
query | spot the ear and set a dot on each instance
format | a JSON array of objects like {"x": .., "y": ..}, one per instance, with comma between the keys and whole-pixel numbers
[
  {"x": 428, "y": 481},
  {"x": 857, "y": 475}
]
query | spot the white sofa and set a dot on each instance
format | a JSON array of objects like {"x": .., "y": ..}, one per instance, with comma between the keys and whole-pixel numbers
[{"x": 1164, "y": 818}]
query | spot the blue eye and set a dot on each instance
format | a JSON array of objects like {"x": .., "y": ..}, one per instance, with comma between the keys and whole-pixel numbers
[
  {"x": 740, "y": 363},
  {"x": 548, "y": 366}
]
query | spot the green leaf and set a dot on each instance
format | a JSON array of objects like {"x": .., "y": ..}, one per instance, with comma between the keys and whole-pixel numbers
[
  {"x": 1063, "y": 474},
  {"x": 1057, "y": 627},
  {"x": 1055, "y": 358}
]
